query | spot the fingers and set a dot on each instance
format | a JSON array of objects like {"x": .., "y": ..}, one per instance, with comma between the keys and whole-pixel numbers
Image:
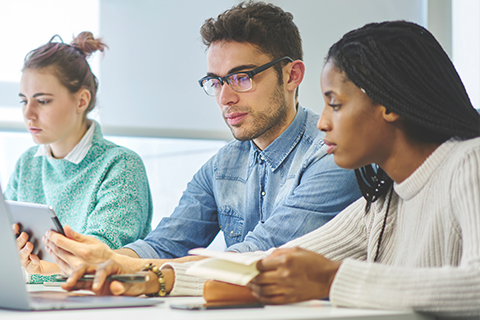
[
  {"x": 65, "y": 267},
  {"x": 25, "y": 253},
  {"x": 85, "y": 249},
  {"x": 72, "y": 282},
  {"x": 52, "y": 238},
  {"x": 71, "y": 234},
  {"x": 279, "y": 299},
  {"x": 34, "y": 259},
  {"x": 115, "y": 287},
  {"x": 265, "y": 290},
  {"x": 65, "y": 260},
  {"x": 16, "y": 228},
  {"x": 100, "y": 285},
  {"x": 274, "y": 260},
  {"x": 62, "y": 248},
  {"x": 21, "y": 240},
  {"x": 271, "y": 294}
]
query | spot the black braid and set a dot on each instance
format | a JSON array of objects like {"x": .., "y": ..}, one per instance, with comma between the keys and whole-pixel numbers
[{"x": 401, "y": 66}]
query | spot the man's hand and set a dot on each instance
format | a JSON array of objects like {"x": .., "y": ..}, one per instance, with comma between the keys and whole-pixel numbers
[
  {"x": 75, "y": 249},
  {"x": 293, "y": 275},
  {"x": 102, "y": 287},
  {"x": 30, "y": 261}
]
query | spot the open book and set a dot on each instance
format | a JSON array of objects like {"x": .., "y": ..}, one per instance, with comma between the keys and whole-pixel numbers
[{"x": 236, "y": 268}]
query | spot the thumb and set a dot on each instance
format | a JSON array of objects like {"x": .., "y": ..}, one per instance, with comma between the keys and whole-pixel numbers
[
  {"x": 69, "y": 233},
  {"x": 34, "y": 259},
  {"x": 117, "y": 288}
]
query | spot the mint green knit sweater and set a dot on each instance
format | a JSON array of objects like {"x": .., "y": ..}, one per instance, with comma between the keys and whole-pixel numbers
[{"x": 106, "y": 195}]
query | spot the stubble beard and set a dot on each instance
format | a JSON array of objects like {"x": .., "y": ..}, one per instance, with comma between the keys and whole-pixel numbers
[{"x": 267, "y": 122}]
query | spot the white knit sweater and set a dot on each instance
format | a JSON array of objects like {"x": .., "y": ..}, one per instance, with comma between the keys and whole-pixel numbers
[{"x": 430, "y": 251}]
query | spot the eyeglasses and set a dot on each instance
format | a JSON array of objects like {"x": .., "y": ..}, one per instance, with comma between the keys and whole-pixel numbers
[{"x": 238, "y": 81}]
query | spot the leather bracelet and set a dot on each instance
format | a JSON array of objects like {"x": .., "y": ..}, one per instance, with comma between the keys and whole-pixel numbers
[{"x": 161, "y": 280}]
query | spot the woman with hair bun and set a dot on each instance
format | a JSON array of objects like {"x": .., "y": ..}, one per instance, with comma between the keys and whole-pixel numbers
[{"x": 95, "y": 187}]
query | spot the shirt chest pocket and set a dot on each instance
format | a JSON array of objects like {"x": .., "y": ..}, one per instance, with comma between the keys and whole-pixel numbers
[{"x": 231, "y": 223}]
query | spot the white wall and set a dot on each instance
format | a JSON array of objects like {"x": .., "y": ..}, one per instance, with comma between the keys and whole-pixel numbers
[
  {"x": 466, "y": 45},
  {"x": 156, "y": 57}
]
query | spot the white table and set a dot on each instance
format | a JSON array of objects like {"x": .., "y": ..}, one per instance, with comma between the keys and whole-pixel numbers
[{"x": 314, "y": 309}]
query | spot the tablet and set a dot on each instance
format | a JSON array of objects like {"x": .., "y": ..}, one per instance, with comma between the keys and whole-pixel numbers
[{"x": 35, "y": 220}]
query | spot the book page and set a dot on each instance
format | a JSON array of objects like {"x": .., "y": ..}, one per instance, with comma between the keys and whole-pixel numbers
[
  {"x": 246, "y": 258},
  {"x": 223, "y": 270},
  {"x": 231, "y": 267}
]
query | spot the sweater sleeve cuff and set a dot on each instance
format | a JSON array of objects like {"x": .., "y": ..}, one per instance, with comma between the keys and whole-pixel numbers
[
  {"x": 347, "y": 285},
  {"x": 143, "y": 250},
  {"x": 185, "y": 285}
]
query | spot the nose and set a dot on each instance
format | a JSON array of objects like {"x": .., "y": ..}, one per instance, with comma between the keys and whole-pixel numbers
[
  {"x": 324, "y": 123},
  {"x": 29, "y": 111},
  {"x": 227, "y": 95}
]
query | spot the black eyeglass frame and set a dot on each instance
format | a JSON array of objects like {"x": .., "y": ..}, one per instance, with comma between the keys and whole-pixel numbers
[{"x": 250, "y": 73}]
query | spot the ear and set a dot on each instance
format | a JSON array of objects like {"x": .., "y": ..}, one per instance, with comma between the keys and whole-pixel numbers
[
  {"x": 389, "y": 116},
  {"x": 295, "y": 74},
  {"x": 83, "y": 97}
]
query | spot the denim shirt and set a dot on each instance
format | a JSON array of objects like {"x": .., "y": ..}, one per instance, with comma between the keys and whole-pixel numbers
[{"x": 259, "y": 199}]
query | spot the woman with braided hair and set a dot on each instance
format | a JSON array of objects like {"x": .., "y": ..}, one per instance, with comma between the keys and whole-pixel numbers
[
  {"x": 95, "y": 187},
  {"x": 397, "y": 112}
]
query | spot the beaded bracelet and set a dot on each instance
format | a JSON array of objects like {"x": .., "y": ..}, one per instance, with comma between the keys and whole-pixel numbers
[{"x": 161, "y": 280}]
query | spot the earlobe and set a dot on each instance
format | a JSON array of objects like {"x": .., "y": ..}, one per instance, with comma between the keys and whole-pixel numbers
[
  {"x": 389, "y": 116},
  {"x": 296, "y": 74}
]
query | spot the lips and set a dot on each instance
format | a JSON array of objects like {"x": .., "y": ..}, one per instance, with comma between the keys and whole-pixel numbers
[
  {"x": 330, "y": 146},
  {"x": 235, "y": 118},
  {"x": 34, "y": 130}
]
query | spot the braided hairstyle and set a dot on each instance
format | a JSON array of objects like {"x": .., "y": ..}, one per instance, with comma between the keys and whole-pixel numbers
[
  {"x": 401, "y": 66},
  {"x": 68, "y": 62}
]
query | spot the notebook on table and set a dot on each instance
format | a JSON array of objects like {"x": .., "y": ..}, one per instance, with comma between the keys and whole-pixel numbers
[{"x": 13, "y": 291}]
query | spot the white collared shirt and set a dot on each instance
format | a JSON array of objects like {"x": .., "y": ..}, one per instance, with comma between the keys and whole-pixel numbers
[{"x": 78, "y": 153}]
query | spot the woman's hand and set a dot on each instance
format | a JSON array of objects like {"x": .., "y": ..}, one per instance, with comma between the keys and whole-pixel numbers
[
  {"x": 293, "y": 275},
  {"x": 102, "y": 287},
  {"x": 75, "y": 249},
  {"x": 30, "y": 261}
]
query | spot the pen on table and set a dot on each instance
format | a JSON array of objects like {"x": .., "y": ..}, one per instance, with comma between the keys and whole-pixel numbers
[{"x": 127, "y": 278}]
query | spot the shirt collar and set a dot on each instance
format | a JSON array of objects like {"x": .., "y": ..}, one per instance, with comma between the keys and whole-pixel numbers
[
  {"x": 277, "y": 151},
  {"x": 78, "y": 153}
]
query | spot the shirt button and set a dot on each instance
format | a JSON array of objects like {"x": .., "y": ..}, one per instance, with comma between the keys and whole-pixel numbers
[
  {"x": 262, "y": 158},
  {"x": 231, "y": 232},
  {"x": 220, "y": 227},
  {"x": 263, "y": 193}
]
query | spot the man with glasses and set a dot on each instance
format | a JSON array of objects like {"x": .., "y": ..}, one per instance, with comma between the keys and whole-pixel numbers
[{"x": 275, "y": 182}]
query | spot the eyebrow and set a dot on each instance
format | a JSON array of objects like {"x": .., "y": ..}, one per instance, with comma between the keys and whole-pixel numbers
[
  {"x": 36, "y": 94},
  {"x": 328, "y": 93},
  {"x": 234, "y": 70}
]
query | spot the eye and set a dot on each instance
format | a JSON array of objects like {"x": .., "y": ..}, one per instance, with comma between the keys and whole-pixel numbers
[
  {"x": 212, "y": 83},
  {"x": 216, "y": 83},
  {"x": 43, "y": 101},
  {"x": 240, "y": 81},
  {"x": 23, "y": 102},
  {"x": 335, "y": 107}
]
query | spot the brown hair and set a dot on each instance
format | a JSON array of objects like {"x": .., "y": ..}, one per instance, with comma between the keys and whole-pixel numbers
[
  {"x": 263, "y": 25},
  {"x": 69, "y": 62}
]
